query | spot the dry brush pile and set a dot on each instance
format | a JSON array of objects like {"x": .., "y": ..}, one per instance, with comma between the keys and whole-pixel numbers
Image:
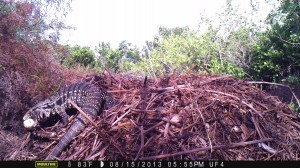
[{"x": 184, "y": 117}]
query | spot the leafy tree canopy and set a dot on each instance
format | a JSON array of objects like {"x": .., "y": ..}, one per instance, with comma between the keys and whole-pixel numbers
[
  {"x": 81, "y": 55},
  {"x": 276, "y": 57}
]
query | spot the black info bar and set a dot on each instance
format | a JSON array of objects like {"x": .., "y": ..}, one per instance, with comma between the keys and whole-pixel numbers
[{"x": 149, "y": 164}]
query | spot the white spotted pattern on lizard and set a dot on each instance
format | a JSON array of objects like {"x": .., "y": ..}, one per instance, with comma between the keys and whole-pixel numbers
[{"x": 85, "y": 95}]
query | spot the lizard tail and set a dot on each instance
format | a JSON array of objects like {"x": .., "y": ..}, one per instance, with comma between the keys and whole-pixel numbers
[{"x": 74, "y": 130}]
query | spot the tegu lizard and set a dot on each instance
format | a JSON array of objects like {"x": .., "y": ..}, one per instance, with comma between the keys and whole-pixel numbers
[{"x": 85, "y": 95}]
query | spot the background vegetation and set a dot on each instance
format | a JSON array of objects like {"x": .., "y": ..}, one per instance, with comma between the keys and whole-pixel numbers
[
  {"x": 28, "y": 42},
  {"x": 32, "y": 60},
  {"x": 260, "y": 50}
]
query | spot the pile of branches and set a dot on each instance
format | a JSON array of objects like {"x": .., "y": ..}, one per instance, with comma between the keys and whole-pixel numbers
[{"x": 186, "y": 117}]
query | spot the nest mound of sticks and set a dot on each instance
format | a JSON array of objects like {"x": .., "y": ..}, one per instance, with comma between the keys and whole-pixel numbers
[{"x": 188, "y": 117}]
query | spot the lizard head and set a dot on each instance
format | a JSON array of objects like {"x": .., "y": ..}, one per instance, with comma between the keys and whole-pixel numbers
[{"x": 37, "y": 114}]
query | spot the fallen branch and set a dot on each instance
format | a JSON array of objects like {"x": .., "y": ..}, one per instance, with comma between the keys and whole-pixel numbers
[
  {"x": 232, "y": 145},
  {"x": 278, "y": 84},
  {"x": 248, "y": 105},
  {"x": 83, "y": 113},
  {"x": 27, "y": 139}
]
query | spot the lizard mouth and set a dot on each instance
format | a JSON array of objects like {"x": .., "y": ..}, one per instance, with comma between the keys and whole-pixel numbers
[{"x": 29, "y": 123}]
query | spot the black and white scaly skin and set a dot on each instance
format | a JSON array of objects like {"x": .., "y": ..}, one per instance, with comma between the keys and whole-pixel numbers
[{"x": 87, "y": 96}]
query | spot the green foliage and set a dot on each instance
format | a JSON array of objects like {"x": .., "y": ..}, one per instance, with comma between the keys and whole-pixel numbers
[
  {"x": 165, "y": 32},
  {"x": 119, "y": 59},
  {"x": 277, "y": 55},
  {"x": 108, "y": 57},
  {"x": 129, "y": 52},
  {"x": 295, "y": 107},
  {"x": 292, "y": 80},
  {"x": 81, "y": 55},
  {"x": 180, "y": 48},
  {"x": 221, "y": 49}
]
